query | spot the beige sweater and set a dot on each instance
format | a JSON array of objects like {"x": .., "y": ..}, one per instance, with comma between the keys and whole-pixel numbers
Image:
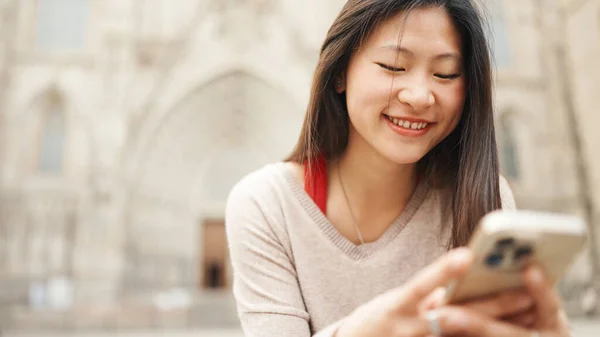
[{"x": 295, "y": 275}]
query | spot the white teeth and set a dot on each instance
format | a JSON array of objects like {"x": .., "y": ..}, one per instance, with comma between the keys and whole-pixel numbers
[{"x": 407, "y": 124}]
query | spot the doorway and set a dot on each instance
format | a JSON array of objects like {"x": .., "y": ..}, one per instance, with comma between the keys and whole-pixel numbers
[{"x": 214, "y": 257}]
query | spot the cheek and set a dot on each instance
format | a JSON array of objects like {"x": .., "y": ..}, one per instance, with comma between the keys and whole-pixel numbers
[
  {"x": 453, "y": 102},
  {"x": 367, "y": 91}
]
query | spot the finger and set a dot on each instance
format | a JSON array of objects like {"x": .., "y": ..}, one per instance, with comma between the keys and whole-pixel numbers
[
  {"x": 450, "y": 266},
  {"x": 465, "y": 322},
  {"x": 505, "y": 304},
  {"x": 525, "y": 320},
  {"x": 411, "y": 327},
  {"x": 435, "y": 300},
  {"x": 421, "y": 326},
  {"x": 546, "y": 298}
]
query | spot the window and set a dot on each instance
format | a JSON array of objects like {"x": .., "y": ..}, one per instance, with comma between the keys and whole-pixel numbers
[
  {"x": 52, "y": 141},
  {"x": 509, "y": 155},
  {"x": 61, "y": 24},
  {"x": 499, "y": 40}
]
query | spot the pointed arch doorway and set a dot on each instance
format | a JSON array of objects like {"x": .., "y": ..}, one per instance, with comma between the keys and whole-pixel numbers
[
  {"x": 214, "y": 256},
  {"x": 192, "y": 158}
]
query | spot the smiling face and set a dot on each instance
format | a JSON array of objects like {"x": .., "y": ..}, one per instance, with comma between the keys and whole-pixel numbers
[{"x": 405, "y": 93}]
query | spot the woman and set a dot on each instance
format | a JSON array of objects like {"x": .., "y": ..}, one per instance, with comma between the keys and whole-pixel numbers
[{"x": 396, "y": 164}]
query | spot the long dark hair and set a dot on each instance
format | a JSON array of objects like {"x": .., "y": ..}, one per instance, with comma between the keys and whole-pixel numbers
[{"x": 466, "y": 162}]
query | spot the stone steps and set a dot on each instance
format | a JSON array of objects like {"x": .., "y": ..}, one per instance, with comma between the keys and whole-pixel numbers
[{"x": 206, "y": 311}]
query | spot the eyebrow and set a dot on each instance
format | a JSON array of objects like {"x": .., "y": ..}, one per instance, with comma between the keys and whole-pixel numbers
[{"x": 400, "y": 49}]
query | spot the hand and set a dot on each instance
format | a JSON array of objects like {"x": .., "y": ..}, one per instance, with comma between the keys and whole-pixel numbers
[
  {"x": 515, "y": 306},
  {"x": 400, "y": 312},
  {"x": 550, "y": 318},
  {"x": 547, "y": 316},
  {"x": 396, "y": 312}
]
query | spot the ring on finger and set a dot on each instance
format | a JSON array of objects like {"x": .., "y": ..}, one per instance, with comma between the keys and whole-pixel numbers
[{"x": 433, "y": 318}]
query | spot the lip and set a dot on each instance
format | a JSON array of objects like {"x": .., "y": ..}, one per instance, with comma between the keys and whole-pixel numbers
[{"x": 409, "y": 132}]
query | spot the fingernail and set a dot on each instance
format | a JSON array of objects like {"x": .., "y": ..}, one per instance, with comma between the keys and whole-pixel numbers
[
  {"x": 536, "y": 275},
  {"x": 461, "y": 255}
]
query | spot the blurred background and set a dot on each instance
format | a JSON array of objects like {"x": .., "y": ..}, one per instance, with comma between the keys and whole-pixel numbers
[{"x": 125, "y": 123}]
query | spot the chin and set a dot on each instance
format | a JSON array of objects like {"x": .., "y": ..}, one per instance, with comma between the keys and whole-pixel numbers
[{"x": 404, "y": 158}]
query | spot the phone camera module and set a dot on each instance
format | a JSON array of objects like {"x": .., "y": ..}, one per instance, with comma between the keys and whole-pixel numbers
[
  {"x": 494, "y": 260},
  {"x": 505, "y": 243},
  {"x": 522, "y": 252}
]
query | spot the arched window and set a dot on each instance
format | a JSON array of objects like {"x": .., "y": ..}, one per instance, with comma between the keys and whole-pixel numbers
[
  {"x": 52, "y": 139},
  {"x": 509, "y": 152},
  {"x": 500, "y": 34},
  {"x": 61, "y": 24}
]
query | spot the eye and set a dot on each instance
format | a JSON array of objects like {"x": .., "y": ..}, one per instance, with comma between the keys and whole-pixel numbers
[
  {"x": 447, "y": 77},
  {"x": 390, "y": 68}
]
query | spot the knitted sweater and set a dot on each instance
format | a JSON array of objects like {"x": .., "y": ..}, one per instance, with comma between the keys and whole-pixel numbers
[{"x": 295, "y": 275}]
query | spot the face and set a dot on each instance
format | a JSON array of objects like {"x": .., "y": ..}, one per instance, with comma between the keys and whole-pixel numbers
[{"x": 405, "y": 86}]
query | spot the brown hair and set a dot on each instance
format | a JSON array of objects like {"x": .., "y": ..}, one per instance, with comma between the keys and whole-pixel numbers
[{"x": 466, "y": 161}]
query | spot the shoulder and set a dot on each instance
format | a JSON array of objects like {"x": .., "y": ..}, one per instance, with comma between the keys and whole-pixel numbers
[
  {"x": 267, "y": 178},
  {"x": 264, "y": 191},
  {"x": 297, "y": 171},
  {"x": 257, "y": 184},
  {"x": 506, "y": 195},
  {"x": 254, "y": 208}
]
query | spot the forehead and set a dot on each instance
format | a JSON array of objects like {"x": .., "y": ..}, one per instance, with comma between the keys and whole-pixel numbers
[{"x": 424, "y": 30}]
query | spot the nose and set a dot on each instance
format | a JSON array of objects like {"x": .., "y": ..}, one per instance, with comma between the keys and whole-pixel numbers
[{"x": 417, "y": 94}]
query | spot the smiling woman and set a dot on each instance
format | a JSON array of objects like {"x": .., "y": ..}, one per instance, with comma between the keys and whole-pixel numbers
[
  {"x": 395, "y": 165},
  {"x": 426, "y": 85}
]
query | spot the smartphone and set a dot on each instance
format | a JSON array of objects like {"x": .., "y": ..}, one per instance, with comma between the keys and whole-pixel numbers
[{"x": 506, "y": 242}]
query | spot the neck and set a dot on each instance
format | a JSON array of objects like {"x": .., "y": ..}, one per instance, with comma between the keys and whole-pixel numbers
[{"x": 373, "y": 183}]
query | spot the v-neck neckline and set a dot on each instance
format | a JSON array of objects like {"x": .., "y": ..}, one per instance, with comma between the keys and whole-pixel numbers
[{"x": 353, "y": 251}]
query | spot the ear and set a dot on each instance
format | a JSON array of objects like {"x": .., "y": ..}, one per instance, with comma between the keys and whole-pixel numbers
[{"x": 340, "y": 84}]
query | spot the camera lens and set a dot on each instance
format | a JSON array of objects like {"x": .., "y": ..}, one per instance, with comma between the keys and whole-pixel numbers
[
  {"x": 523, "y": 252},
  {"x": 494, "y": 260},
  {"x": 504, "y": 243}
]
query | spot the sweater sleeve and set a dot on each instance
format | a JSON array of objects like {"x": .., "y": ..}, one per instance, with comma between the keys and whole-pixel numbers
[
  {"x": 265, "y": 284},
  {"x": 506, "y": 195}
]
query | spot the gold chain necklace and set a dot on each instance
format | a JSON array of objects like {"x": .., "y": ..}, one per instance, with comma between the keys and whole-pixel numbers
[{"x": 354, "y": 222}]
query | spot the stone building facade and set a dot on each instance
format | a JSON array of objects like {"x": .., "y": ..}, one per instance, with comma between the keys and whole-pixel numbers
[{"x": 124, "y": 123}]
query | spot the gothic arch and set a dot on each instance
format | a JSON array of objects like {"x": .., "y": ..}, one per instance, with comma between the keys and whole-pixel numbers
[
  {"x": 220, "y": 113},
  {"x": 217, "y": 133},
  {"x": 500, "y": 34},
  {"x": 52, "y": 138},
  {"x": 27, "y": 127},
  {"x": 151, "y": 121}
]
